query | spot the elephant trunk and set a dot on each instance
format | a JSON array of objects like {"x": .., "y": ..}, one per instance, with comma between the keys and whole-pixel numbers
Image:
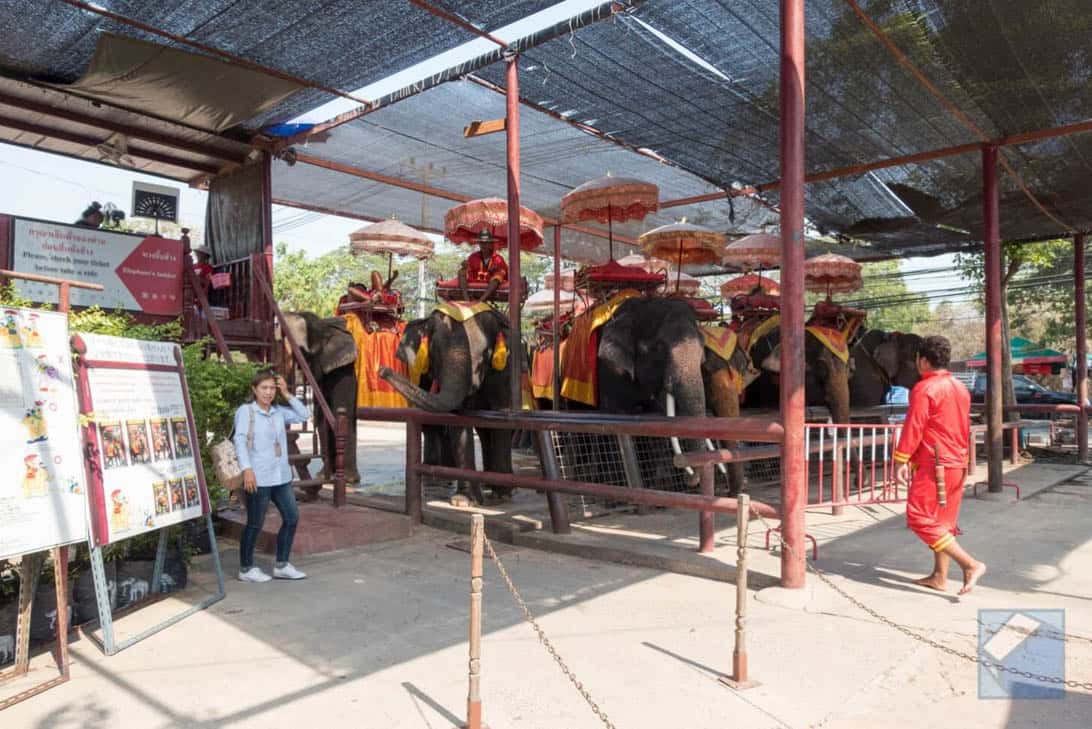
[{"x": 454, "y": 384}]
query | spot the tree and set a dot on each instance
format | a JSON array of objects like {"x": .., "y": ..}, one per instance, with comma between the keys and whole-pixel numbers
[{"x": 1024, "y": 269}]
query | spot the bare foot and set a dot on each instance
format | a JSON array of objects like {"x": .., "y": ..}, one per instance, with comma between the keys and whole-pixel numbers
[
  {"x": 971, "y": 578},
  {"x": 933, "y": 583}
]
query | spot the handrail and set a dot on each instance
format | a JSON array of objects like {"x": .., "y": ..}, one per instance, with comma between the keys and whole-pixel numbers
[
  {"x": 764, "y": 430},
  {"x": 203, "y": 302}
]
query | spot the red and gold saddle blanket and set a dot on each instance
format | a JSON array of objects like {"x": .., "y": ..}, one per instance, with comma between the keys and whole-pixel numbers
[
  {"x": 719, "y": 340},
  {"x": 578, "y": 356},
  {"x": 833, "y": 339},
  {"x": 375, "y": 350},
  {"x": 754, "y": 328}
]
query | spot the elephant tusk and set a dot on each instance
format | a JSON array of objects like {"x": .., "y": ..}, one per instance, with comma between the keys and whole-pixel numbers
[
  {"x": 676, "y": 446},
  {"x": 720, "y": 466}
]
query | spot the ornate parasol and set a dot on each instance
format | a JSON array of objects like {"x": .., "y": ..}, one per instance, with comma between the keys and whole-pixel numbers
[
  {"x": 463, "y": 222},
  {"x": 754, "y": 252},
  {"x": 746, "y": 284},
  {"x": 652, "y": 265},
  {"x": 568, "y": 280},
  {"x": 610, "y": 199},
  {"x": 683, "y": 243},
  {"x": 684, "y": 284},
  {"x": 541, "y": 303},
  {"x": 832, "y": 273},
  {"x": 392, "y": 237}
]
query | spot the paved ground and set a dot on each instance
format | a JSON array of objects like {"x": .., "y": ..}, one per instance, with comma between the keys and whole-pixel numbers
[{"x": 376, "y": 637}]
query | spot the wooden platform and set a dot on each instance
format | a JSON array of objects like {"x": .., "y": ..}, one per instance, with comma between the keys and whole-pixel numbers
[{"x": 323, "y": 528}]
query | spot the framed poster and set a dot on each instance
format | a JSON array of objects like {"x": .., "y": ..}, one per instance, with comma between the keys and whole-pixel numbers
[
  {"x": 138, "y": 273},
  {"x": 43, "y": 500},
  {"x": 144, "y": 472}
]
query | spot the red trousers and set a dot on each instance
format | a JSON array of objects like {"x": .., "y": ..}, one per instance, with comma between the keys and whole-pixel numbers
[{"x": 934, "y": 524}]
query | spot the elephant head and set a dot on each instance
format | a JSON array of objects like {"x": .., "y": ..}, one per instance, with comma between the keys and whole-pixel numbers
[
  {"x": 326, "y": 343},
  {"x": 460, "y": 359},
  {"x": 883, "y": 359}
]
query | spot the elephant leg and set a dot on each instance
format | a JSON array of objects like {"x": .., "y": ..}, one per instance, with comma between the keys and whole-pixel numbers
[
  {"x": 837, "y": 392},
  {"x": 497, "y": 457},
  {"x": 724, "y": 399},
  {"x": 462, "y": 445}
]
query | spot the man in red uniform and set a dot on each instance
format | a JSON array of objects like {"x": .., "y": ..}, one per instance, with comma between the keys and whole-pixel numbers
[
  {"x": 935, "y": 436},
  {"x": 484, "y": 266}
]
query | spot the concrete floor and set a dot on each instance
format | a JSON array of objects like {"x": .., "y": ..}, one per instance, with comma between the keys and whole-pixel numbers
[{"x": 377, "y": 636}]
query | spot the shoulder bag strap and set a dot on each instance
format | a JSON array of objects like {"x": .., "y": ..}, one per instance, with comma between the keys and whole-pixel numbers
[{"x": 250, "y": 430}]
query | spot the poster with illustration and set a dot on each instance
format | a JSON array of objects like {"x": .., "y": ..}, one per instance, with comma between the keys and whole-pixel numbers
[
  {"x": 135, "y": 391},
  {"x": 43, "y": 501}
]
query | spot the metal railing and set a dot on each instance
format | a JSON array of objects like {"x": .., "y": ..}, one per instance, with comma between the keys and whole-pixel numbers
[{"x": 851, "y": 465}]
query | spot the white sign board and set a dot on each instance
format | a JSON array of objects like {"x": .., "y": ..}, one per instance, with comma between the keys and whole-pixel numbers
[
  {"x": 144, "y": 436},
  {"x": 137, "y": 273},
  {"x": 43, "y": 501}
]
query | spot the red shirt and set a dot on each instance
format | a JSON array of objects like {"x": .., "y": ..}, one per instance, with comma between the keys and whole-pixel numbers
[
  {"x": 478, "y": 272},
  {"x": 939, "y": 416},
  {"x": 203, "y": 270}
]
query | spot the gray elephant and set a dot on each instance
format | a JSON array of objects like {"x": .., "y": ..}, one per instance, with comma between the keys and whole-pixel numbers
[
  {"x": 882, "y": 360},
  {"x": 468, "y": 368},
  {"x": 826, "y": 376},
  {"x": 331, "y": 354},
  {"x": 648, "y": 360}
]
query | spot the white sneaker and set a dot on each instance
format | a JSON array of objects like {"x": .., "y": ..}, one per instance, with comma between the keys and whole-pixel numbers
[
  {"x": 288, "y": 572},
  {"x": 254, "y": 574}
]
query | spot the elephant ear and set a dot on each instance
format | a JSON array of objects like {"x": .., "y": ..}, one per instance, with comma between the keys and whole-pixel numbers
[{"x": 331, "y": 344}]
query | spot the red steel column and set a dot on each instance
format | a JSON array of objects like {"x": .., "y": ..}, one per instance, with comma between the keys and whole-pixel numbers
[
  {"x": 1080, "y": 377},
  {"x": 556, "y": 384},
  {"x": 991, "y": 238},
  {"x": 793, "y": 484},
  {"x": 515, "y": 283}
]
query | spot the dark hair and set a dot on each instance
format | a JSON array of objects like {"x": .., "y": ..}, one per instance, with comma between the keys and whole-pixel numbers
[
  {"x": 936, "y": 349},
  {"x": 265, "y": 373},
  {"x": 94, "y": 208}
]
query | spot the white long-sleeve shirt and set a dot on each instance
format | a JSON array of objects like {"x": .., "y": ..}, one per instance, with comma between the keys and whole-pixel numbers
[{"x": 269, "y": 430}]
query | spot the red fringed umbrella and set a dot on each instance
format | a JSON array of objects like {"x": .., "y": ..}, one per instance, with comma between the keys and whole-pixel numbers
[
  {"x": 610, "y": 199},
  {"x": 392, "y": 237},
  {"x": 832, "y": 273},
  {"x": 754, "y": 252},
  {"x": 747, "y": 284},
  {"x": 683, "y": 243},
  {"x": 462, "y": 223}
]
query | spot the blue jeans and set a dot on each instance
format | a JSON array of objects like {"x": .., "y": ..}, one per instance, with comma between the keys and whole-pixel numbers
[{"x": 256, "y": 505}]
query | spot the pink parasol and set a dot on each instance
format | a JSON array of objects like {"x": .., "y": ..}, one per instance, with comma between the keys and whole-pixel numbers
[
  {"x": 568, "y": 280},
  {"x": 752, "y": 252},
  {"x": 392, "y": 237},
  {"x": 684, "y": 284},
  {"x": 463, "y": 222},
  {"x": 832, "y": 273},
  {"x": 683, "y": 243},
  {"x": 541, "y": 303},
  {"x": 610, "y": 199},
  {"x": 652, "y": 265},
  {"x": 746, "y": 284}
]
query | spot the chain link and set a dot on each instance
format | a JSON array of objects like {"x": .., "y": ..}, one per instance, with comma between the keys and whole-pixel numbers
[
  {"x": 529, "y": 616},
  {"x": 973, "y": 658}
]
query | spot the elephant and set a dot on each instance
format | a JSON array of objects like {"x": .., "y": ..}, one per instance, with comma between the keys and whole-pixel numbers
[
  {"x": 331, "y": 354},
  {"x": 649, "y": 360},
  {"x": 882, "y": 359},
  {"x": 464, "y": 369},
  {"x": 826, "y": 376}
]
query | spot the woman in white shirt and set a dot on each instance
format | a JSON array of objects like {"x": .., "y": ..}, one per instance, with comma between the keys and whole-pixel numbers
[{"x": 262, "y": 449}]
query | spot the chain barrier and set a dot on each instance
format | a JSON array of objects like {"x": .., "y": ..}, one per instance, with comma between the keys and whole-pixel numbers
[
  {"x": 529, "y": 616},
  {"x": 973, "y": 658}
]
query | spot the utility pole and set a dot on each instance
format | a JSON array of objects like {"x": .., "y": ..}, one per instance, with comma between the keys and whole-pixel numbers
[{"x": 426, "y": 171}]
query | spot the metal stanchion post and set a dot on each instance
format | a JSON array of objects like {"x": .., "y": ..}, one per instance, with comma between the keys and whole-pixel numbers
[
  {"x": 739, "y": 679},
  {"x": 474, "y": 692}
]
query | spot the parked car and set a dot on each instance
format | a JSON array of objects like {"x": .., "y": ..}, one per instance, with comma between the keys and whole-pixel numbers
[{"x": 1027, "y": 390}]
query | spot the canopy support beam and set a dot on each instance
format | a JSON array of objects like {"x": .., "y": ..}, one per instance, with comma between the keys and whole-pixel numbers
[
  {"x": 793, "y": 479},
  {"x": 1080, "y": 377},
  {"x": 515, "y": 283},
  {"x": 991, "y": 237}
]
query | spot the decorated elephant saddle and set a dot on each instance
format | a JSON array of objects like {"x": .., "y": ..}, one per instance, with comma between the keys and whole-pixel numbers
[
  {"x": 753, "y": 328},
  {"x": 578, "y": 358},
  {"x": 462, "y": 311},
  {"x": 835, "y": 334}
]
